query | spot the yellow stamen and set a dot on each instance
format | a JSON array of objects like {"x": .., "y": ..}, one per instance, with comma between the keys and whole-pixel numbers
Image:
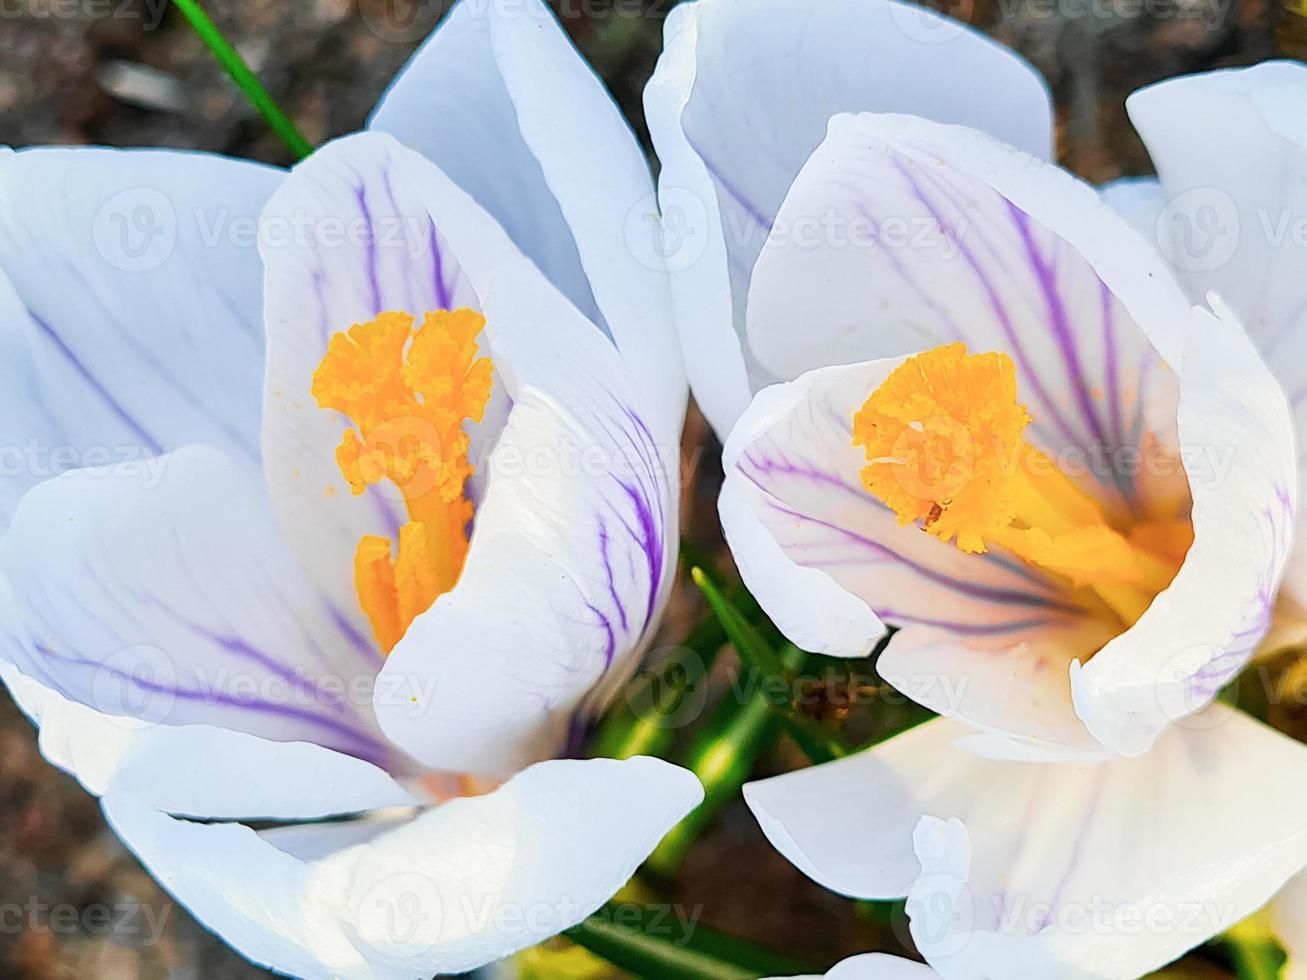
[
  {"x": 408, "y": 393},
  {"x": 944, "y": 439}
]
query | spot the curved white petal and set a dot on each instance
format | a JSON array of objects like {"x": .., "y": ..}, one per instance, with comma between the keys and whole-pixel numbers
[
  {"x": 1029, "y": 871},
  {"x": 199, "y": 770},
  {"x": 451, "y": 103},
  {"x": 741, "y": 97},
  {"x": 875, "y": 966},
  {"x": 501, "y": 101},
  {"x": 1231, "y": 150},
  {"x": 576, "y": 503},
  {"x": 1237, "y": 443},
  {"x": 163, "y": 592},
  {"x": 901, "y": 234},
  {"x": 129, "y": 308},
  {"x": 452, "y": 889}
]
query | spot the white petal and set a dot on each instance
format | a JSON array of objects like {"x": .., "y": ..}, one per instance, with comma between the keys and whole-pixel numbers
[
  {"x": 1237, "y": 439},
  {"x": 741, "y": 97},
  {"x": 453, "y": 105},
  {"x": 1029, "y": 871},
  {"x": 1231, "y": 149},
  {"x": 130, "y": 315},
  {"x": 453, "y": 889},
  {"x": 900, "y": 235},
  {"x": 501, "y": 101},
  {"x": 163, "y": 592},
  {"x": 199, "y": 770}
]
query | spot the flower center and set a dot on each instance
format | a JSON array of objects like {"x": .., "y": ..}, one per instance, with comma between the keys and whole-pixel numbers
[
  {"x": 945, "y": 445},
  {"x": 408, "y": 392}
]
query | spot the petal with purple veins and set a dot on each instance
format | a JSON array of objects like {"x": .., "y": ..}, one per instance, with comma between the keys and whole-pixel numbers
[
  {"x": 130, "y": 316},
  {"x": 163, "y": 593},
  {"x": 739, "y": 100}
]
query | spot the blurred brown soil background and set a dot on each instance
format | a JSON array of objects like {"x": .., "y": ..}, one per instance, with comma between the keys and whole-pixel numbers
[{"x": 73, "y": 903}]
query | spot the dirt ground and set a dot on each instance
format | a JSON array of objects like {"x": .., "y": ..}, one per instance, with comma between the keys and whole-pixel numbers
[{"x": 129, "y": 73}]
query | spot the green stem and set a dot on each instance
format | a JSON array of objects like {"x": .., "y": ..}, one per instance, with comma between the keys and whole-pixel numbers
[
  {"x": 722, "y": 755},
  {"x": 244, "y": 77},
  {"x": 818, "y": 743},
  {"x": 1256, "y": 960},
  {"x": 650, "y": 943},
  {"x": 653, "y": 710}
]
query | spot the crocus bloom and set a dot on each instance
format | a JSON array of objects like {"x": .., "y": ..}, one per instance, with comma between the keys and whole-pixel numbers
[
  {"x": 962, "y": 397},
  {"x": 268, "y": 604}
]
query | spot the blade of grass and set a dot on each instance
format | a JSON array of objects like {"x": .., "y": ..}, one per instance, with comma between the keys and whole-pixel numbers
[
  {"x": 722, "y": 755},
  {"x": 649, "y": 943},
  {"x": 244, "y": 77},
  {"x": 818, "y": 743},
  {"x": 748, "y": 641},
  {"x": 1253, "y": 949},
  {"x": 653, "y": 710}
]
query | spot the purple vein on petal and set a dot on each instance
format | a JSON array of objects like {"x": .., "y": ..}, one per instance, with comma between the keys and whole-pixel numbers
[
  {"x": 969, "y": 629},
  {"x": 986, "y": 593},
  {"x": 763, "y": 467},
  {"x": 360, "y": 738},
  {"x": 754, "y": 212},
  {"x": 1060, "y": 323},
  {"x": 1030, "y": 376},
  {"x": 85, "y": 373},
  {"x": 374, "y": 284}
]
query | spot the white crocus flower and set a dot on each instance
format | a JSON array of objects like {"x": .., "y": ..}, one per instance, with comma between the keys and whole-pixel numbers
[
  {"x": 199, "y": 627},
  {"x": 960, "y": 396}
]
